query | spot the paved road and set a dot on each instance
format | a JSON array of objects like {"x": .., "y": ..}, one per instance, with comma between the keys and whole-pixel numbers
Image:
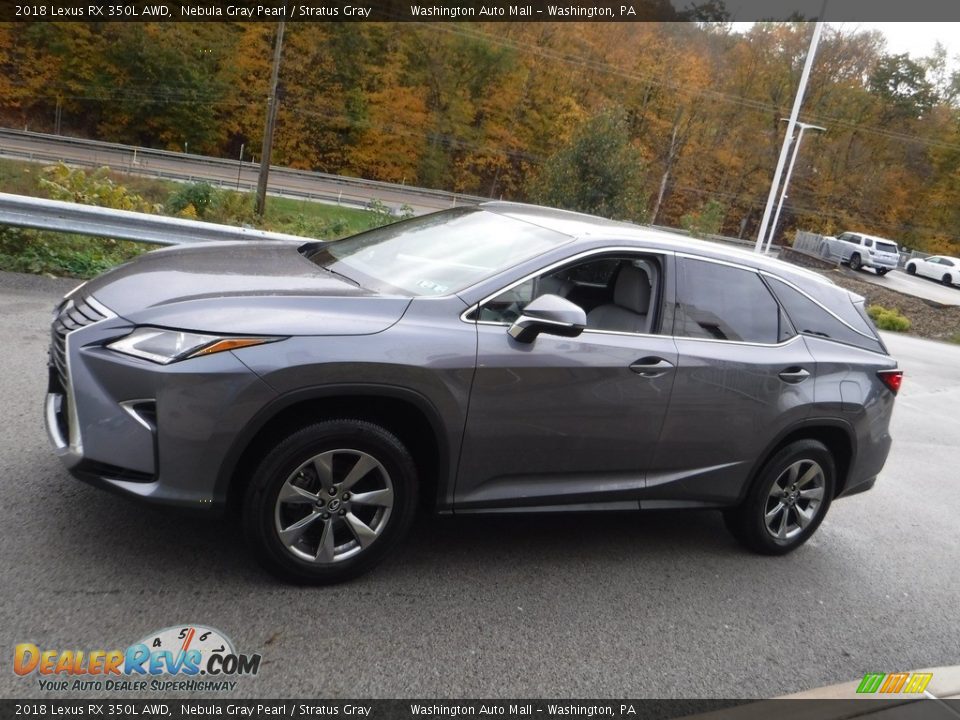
[
  {"x": 662, "y": 605},
  {"x": 911, "y": 285},
  {"x": 48, "y": 149}
]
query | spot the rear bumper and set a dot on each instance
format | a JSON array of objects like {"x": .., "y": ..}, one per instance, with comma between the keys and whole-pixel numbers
[{"x": 879, "y": 262}]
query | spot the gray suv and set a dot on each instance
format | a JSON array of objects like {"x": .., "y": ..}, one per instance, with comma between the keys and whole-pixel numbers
[{"x": 491, "y": 359}]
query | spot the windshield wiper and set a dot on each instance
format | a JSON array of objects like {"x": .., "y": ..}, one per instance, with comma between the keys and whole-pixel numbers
[{"x": 340, "y": 274}]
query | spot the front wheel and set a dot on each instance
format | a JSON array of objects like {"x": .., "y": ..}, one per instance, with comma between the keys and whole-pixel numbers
[
  {"x": 946, "y": 280},
  {"x": 330, "y": 501},
  {"x": 788, "y": 500},
  {"x": 911, "y": 269}
]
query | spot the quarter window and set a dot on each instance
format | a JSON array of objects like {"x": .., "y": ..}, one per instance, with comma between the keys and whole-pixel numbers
[
  {"x": 725, "y": 303},
  {"x": 811, "y": 319}
]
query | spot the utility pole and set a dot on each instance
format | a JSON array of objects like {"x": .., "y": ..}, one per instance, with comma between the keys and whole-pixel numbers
[
  {"x": 786, "y": 181},
  {"x": 791, "y": 126},
  {"x": 240, "y": 166},
  {"x": 268, "y": 126}
]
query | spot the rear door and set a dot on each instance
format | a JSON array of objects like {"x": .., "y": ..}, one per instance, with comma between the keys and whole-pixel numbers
[{"x": 743, "y": 376}]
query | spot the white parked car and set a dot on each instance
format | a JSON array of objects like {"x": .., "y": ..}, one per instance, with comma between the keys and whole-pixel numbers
[{"x": 939, "y": 267}]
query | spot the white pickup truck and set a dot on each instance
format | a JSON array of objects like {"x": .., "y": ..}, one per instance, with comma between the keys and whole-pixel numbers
[{"x": 858, "y": 250}]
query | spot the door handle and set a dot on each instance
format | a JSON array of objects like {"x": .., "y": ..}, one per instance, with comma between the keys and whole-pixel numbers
[
  {"x": 651, "y": 367},
  {"x": 794, "y": 375}
]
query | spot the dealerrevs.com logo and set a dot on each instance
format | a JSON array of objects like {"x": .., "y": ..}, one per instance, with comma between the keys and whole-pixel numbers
[{"x": 190, "y": 658}]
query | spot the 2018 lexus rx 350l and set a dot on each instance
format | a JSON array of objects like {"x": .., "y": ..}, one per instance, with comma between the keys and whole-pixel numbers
[{"x": 487, "y": 359}]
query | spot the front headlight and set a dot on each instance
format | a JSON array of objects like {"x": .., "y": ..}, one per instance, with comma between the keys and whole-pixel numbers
[{"x": 167, "y": 346}]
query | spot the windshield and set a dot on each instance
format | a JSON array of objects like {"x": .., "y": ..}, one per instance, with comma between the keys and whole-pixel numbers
[{"x": 436, "y": 254}]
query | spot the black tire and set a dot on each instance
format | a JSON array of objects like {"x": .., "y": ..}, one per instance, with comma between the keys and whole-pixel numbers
[
  {"x": 911, "y": 269},
  {"x": 342, "y": 444},
  {"x": 882, "y": 271},
  {"x": 855, "y": 262},
  {"x": 946, "y": 280},
  {"x": 747, "y": 522}
]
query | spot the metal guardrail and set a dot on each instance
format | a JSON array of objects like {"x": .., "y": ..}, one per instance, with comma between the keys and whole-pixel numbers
[
  {"x": 339, "y": 198},
  {"x": 813, "y": 244},
  {"x": 137, "y": 160},
  {"x": 42, "y": 214}
]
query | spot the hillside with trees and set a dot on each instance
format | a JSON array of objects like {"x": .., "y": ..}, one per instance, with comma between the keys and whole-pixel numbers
[{"x": 672, "y": 123}]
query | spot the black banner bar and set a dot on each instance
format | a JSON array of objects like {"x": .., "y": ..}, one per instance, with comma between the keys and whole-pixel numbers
[
  {"x": 923, "y": 709},
  {"x": 473, "y": 11}
]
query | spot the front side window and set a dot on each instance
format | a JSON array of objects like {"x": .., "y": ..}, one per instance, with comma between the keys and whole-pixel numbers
[
  {"x": 618, "y": 293},
  {"x": 719, "y": 302}
]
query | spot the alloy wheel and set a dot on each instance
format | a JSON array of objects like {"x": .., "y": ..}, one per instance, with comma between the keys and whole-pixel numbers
[
  {"x": 795, "y": 499},
  {"x": 333, "y": 506}
]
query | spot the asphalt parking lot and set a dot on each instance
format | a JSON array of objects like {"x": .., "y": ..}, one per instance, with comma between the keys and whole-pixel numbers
[{"x": 652, "y": 605}]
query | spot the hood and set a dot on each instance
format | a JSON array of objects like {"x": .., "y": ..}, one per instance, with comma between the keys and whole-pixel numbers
[{"x": 242, "y": 288}]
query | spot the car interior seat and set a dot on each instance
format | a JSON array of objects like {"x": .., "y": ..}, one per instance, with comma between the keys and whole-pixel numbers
[{"x": 629, "y": 311}]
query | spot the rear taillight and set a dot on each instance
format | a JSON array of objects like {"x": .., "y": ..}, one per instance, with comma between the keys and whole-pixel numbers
[{"x": 892, "y": 379}]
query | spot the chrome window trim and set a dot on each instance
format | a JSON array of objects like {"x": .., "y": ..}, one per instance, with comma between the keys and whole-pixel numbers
[
  {"x": 739, "y": 342},
  {"x": 553, "y": 266},
  {"x": 586, "y": 331}
]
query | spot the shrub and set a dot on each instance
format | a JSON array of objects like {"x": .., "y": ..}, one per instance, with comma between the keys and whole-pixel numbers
[
  {"x": 74, "y": 185},
  {"x": 381, "y": 214},
  {"x": 199, "y": 195},
  {"x": 888, "y": 318}
]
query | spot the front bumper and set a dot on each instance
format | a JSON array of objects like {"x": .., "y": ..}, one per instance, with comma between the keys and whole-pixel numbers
[{"x": 154, "y": 432}]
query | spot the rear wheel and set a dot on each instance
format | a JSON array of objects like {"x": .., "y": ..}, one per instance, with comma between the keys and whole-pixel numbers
[
  {"x": 882, "y": 271},
  {"x": 855, "y": 262},
  {"x": 330, "y": 501},
  {"x": 788, "y": 500},
  {"x": 911, "y": 269}
]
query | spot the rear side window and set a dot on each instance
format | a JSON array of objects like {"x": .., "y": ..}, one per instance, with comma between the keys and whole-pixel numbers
[
  {"x": 811, "y": 319},
  {"x": 719, "y": 302},
  {"x": 867, "y": 242}
]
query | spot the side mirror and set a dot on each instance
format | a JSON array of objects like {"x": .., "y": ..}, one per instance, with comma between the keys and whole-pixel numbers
[{"x": 549, "y": 314}]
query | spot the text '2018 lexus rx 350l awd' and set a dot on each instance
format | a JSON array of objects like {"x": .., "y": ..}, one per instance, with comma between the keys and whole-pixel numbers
[{"x": 487, "y": 359}]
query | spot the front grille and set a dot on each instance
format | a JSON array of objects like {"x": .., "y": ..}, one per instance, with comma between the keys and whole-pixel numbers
[{"x": 72, "y": 315}]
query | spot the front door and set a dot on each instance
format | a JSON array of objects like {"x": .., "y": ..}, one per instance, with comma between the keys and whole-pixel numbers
[{"x": 569, "y": 421}]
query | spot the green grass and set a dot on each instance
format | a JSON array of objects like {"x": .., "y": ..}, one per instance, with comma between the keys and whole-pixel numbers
[
  {"x": 62, "y": 254},
  {"x": 283, "y": 212}
]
